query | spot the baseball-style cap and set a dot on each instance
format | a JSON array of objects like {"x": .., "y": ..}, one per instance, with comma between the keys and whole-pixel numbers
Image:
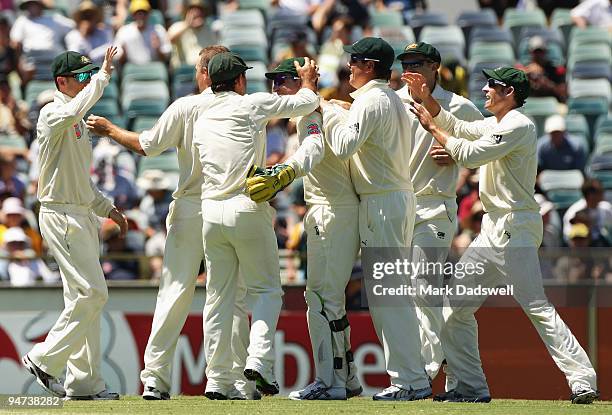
[
  {"x": 225, "y": 66},
  {"x": 24, "y": 3},
  {"x": 554, "y": 123},
  {"x": 70, "y": 63},
  {"x": 579, "y": 230},
  {"x": 12, "y": 206},
  {"x": 285, "y": 67},
  {"x": 372, "y": 48},
  {"x": 536, "y": 43},
  {"x": 137, "y": 5},
  {"x": 420, "y": 48},
  {"x": 512, "y": 77},
  {"x": 15, "y": 234}
]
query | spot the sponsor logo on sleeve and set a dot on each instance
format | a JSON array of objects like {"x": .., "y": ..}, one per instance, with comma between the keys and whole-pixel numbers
[
  {"x": 355, "y": 128},
  {"x": 497, "y": 138},
  {"x": 313, "y": 128}
]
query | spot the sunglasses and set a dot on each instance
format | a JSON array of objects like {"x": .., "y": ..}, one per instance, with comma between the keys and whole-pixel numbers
[
  {"x": 357, "y": 58},
  {"x": 281, "y": 79},
  {"x": 414, "y": 64},
  {"x": 84, "y": 76},
  {"x": 492, "y": 83}
]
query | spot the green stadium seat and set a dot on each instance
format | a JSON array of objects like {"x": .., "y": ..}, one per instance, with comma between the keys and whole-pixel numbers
[
  {"x": 145, "y": 90},
  {"x": 166, "y": 162},
  {"x": 441, "y": 36},
  {"x": 257, "y": 86},
  {"x": 386, "y": 18},
  {"x": 603, "y": 124},
  {"x": 591, "y": 108},
  {"x": 243, "y": 18},
  {"x": 603, "y": 143},
  {"x": 245, "y": 36},
  {"x": 517, "y": 19},
  {"x": 251, "y": 53},
  {"x": 139, "y": 107},
  {"x": 554, "y": 53},
  {"x": 540, "y": 108},
  {"x": 105, "y": 108},
  {"x": 562, "y": 20},
  {"x": 34, "y": 88},
  {"x": 426, "y": 18},
  {"x": 143, "y": 123},
  {"x": 590, "y": 35},
  {"x": 13, "y": 141},
  {"x": 111, "y": 92},
  {"x": 563, "y": 199},
  {"x": 560, "y": 180},
  {"x": 263, "y": 5},
  {"x": 589, "y": 53},
  {"x": 479, "y": 18},
  {"x": 153, "y": 71},
  {"x": 579, "y": 88},
  {"x": 577, "y": 124}
]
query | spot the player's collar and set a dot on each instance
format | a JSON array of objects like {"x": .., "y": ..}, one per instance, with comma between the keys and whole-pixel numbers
[{"x": 374, "y": 83}]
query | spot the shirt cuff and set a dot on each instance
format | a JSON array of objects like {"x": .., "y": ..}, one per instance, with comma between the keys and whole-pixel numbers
[
  {"x": 443, "y": 119},
  {"x": 452, "y": 145}
]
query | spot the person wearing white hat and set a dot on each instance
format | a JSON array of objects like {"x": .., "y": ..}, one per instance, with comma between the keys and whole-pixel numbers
[{"x": 557, "y": 150}]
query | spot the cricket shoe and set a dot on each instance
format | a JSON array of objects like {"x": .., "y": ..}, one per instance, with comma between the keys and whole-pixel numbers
[
  {"x": 353, "y": 387},
  {"x": 266, "y": 387},
  {"x": 102, "y": 396},
  {"x": 396, "y": 393},
  {"x": 454, "y": 396},
  {"x": 584, "y": 396},
  {"x": 153, "y": 394},
  {"x": 317, "y": 391},
  {"x": 49, "y": 383},
  {"x": 215, "y": 396}
]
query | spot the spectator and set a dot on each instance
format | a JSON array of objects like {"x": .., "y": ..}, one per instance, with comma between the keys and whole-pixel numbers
[
  {"x": 454, "y": 76},
  {"x": 593, "y": 13},
  {"x": 115, "y": 267},
  {"x": 14, "y": 215},
  {"x": 91, "y": 37},
  {"x": 296, "y": 243},
  {"x": 298, "y": 46},
  {"x": 139, "y": 42},
  {"x": 556, "y": 150},
  {"x": 545, "y": 78},
  {"x": 296, "y": 7},
  {"x": 576, "y": 266},
  {"x": 470, "y": 227},
  {"x": 331, "y": 53},
  {"x": 13, "y": 113},
  {"x": 8, "y": 55},
  {"x": 596, "y": 209},
  {"x": 191, "y": 34},
  {"x": 23, "y": 268},
  {"x": 38, "y": 37},
  {"x": 156, "y": 203},
  {"x": 406, "y": 7},
  {"x": 342, "y": 89},
  {"x": 10, "y": 183},
  {"x": 551, "y": 222},
  {"x": 154, "y": 250},
  {"x": 330, "y": 10}
]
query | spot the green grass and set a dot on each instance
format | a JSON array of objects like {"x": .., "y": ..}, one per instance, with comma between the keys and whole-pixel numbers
[{"x": 357, "y": 406}]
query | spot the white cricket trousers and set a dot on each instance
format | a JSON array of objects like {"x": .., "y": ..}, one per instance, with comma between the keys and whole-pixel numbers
[
  {"x": 71, "y": 231},
  {"x": 507, "y": 247},
  {"x": 434, "y": 229},
  {"x": 239, "y": 237},
  {"x": 183, "y": 253},
  {"x": 387, "y": 220}
]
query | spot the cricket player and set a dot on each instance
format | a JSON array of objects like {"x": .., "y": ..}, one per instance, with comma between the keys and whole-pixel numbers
[
  {"x": 332, "y": 246},
  {"x": 434, "y": 177},
  {"x": 504, "y": 147},
  {"x": 183, "y": 251},
  {"x": 238, "y": 234},
  {"x": 377, "y": 141},
  {"x": 70, "y": 204}
]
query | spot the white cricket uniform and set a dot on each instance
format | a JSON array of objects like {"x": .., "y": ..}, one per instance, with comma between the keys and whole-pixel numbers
[
  {"x": 69, "y": 205},
  {"x": 436, "y": 219},
  {"x": 238, "y": 233},
  {"x": 183, "y": 251},
  {"x": 332, "y": 226},
  {"x": 377, "y": 140},
  {"x": 507, "y": 248}
]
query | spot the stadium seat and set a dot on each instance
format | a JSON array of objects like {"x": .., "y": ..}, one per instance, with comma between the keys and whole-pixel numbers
[
  {"x": 34, "y": 88},
  {"x": 152, "y": 71},
  {"x": 106, "y": 108},
  {"x": 550, "y": 35},
  {"x": 263, "y": 5},
  {"x": 540, "y": 108},
  {"x": 144, "y": 90},
  {"x": 603, "y": 143},
  {"x": 386, "y": 18},
  {"x": 517, "y": 19},
  {"x": 468, "y": 20},
  {"x": 603, "y": 124},
  {"x": 590, "y": 35},
  {"x": 251, "y": 53},
  {"x": 560, "y": 180},
  {"x": 398, "y": 38},
  {"x": 111, "y": 92},
  {"x": 442, "y": 36},
  {"x": 239, "y": 19},
  {"x": 563, "y": 198},
  {"x": 143, "y": 123},
  {"x": 589, "y": 53},
  {"x": 500, "y": 53},
  {"x": 280, "y": 21},
  {"x": 257, "y": 86},
  {"x": 600, "y": 168},
  {"x": 591, "y": 108},
  {"x": 579, "y": 88},
  {"x": 419, "y": 20},
  {"x": 591, "y": 70},
  {"x": 554, "y": 53},
  {"x": 576, "y": 124},
  {"x": 257, "y": 73},
  {"x": 12, "y": 141},
  {"x": 490, "y": 34},
  {"x": 139, "y": 107},
  {"x": 166, "y": 162},
  {"x": 562, "y": 20},
  {"x": 255, "y": 36}
]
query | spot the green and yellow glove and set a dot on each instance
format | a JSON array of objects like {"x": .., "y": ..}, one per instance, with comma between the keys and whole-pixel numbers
[{"x": 264, "y": 186}]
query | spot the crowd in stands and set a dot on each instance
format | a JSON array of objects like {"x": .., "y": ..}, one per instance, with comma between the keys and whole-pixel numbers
[{"x": 563, "y": 45}]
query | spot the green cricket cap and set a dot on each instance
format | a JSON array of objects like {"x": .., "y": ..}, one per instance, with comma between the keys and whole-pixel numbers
[
  {"x": 285, "y": 67},
  {"x": 70, "y": 63},
  {"x": 421, "y": 48},
  {"x": 512, "y": 77},
  {"x": 226, "y": 66},
  {"x": 373, "y": 48}
]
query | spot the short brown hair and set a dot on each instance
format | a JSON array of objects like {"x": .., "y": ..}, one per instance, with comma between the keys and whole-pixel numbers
[{"x": 208, "y": 52}]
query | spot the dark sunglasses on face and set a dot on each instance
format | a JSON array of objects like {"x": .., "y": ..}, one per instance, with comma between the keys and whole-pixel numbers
[
  {"x": 281, "y": 79},
  {"x": 414, "y": 64},
  {"x": 84, "y": 76},
  {"x": 492, "y": 83},
  {"x": 357, "y": 58}
]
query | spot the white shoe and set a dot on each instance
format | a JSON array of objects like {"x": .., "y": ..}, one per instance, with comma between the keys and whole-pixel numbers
[
  {"x": 102, "y": 396},
  {"x": 48, "y": 382},
  {"x": 396, "y": 393},
  {"x": 318, "y": 391},
  {"x": 153, "y": 394},
  {"x": 353, "y": 387}
]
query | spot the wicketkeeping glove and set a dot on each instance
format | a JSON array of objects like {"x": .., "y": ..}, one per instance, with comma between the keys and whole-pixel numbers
[{"x": 263, "y": 187}]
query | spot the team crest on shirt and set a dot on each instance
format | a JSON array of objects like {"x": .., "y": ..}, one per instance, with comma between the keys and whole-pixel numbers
[
  {"x": 497, "y": 138},
  {"x": 77, "y": 131},
  {"x": 355, "y": 128},
  {"x": 313, "y": 128}
]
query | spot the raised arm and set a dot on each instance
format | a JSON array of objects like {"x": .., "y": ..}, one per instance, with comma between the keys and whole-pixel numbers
[{"x": 312, "y": 147}]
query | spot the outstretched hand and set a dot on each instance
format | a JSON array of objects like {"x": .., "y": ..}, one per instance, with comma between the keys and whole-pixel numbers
[
  {"x": 107, "y": 65},
  {"x": 423, "y": 115},
  {"x": 417, "y": 84}
]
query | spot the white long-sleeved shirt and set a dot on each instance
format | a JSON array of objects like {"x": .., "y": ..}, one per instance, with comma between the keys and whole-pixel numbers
[
  {"x": 507, "y": 153},
  {"x": 65, "y": 150},
  {"x": 377, "y": 138},
  {"x": 428, "y": 178},
  {"x": 312, "y": 144},
  {"x": 175, "y": 128},
  {"x": 230, "y": 136},
  {"x": 328, "y": 181}
]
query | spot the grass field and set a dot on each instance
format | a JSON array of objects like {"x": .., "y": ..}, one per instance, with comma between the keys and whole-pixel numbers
[{"x": 357, "y": 406}]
